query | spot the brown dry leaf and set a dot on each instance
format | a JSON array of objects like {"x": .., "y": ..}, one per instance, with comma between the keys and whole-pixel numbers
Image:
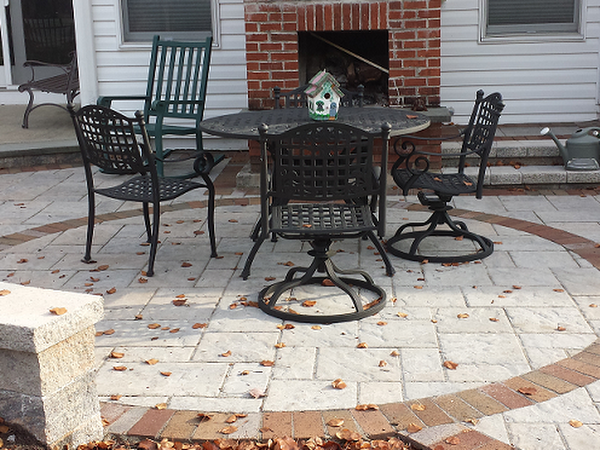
[
  {"x": 402, "y": 314},
  {"x": 109, "y": 332},
  {"x": 120, "y": 368},
  {"x": 494, "y": 319},
  {"x": 417, "y": 407},
  {"x": 179, "y": 302},
  {"x": 558, "y": 290},
  {"x": 462, "y": 316},
  {"x": 395, "y": 353},
  {"x": 267, "y": 363},
  {"x": 529, "y": 390},
  {"x": 269, "y": 278},
  {"x": 316, "y": 327},
  {"x": 117, "y": 355},
  {"x": 186, "y": 264},
  {"x": 25, "y": 283},
  {"x": 362, "y": 345},
  {"x": 382, "y": 363},
  {"x": 154, "y": 326},
  {"x": 161, "y": 406},
  {"x": 450, "y": 365},
  {"x": 4, "y": 292},
  {"x": 22, "y": 261},
  {"x": 231, "y": 419},
  {"x": 335, "y": 422},
  {"x": 256, "y": 393},
  {"x": 413, "y": 427},
  {"x": 347, "y": 435},
  {"x": 166, "y": 374},
  {"x": 115, "y": 397},
  {"x": 338, "y": 383},
  {"x": 88, "y": 284},
  {"x": 560, "y": 328},
  {"x": 327, "y": 282},
  {"x": 575, "y": 423},
  {"x": 309, "y": 303},
  {"x": 58, "y": 311},
  {"x": 279, "y": 345},
  {"x": 95, "y": 280},
  {"x": 382, "y": 323},
  {"x": 151, "y": 361},
  {"x": 112, "y": 290},
  {"x": 55, "y": 271},
  {"x": 226, "y": 354},
  {"x": 199, "y": 325},
  {"x": 373, "y": 303},
  {"x": 103, "y": 267},
  {"x": 452, "y": 440},
  {"x": 203, "y": 417},
  {"x": 472, "y": 421},
  {"x": 434, "y": 321},
  {"x": 366, "y": 407},
  {"x": 418, "y": 287}
]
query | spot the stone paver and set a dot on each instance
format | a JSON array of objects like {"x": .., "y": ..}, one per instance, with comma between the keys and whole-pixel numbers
[{"x": 526, "y": 314}]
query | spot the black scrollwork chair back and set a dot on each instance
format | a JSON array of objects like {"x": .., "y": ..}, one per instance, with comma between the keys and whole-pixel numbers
[
  {"x": 436, "y": 190},
  {"x": 107, "y": 139},
  {"x": 324, "y": 174}
]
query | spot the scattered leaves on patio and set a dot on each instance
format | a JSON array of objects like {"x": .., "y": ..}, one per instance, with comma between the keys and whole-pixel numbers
[
  {"x": 231, "y": 419},
  {"x": 287, "y": 326},
  {"x": 362, "y": 345},
  {"x": 269, "y": 278},
  {"x": 417, "y": 407},
  {"x": 462, "y": 316},
  {"x": 316, "y": 327},
  {"x": 161, "y": 406},
  {"x": 413, "y": 427},
  {"x": 558, "y": 290},
  {"x": 22, "y": 261},
  {"x": 382, "y": 363},
  {"x": 245, "y": 372},
  {"x": 112, "y": 290},
  {"x": 117, "y": 355},
  {"x": 575, "y": 423},
  {"x": 366, "y": 407},
  {"x": 267, "y": 363},
  {"x": 25, "y": 283},
  {"x": 327, "y": 282},
  {"x": 198, "y": 232},
  {"x": 4, "y": 292},
  {"x": 593, "y": 305},
  {"x": 103, "y": 267},
  {"x": 95, "y": 280},
  {"x": 452, "y": 440},
  {"x": 450, "y": 365},
  {"x": 309, "y": 303},
  {"x": 560, "y": 328},
  {"x": 395, "y": 353},
  {"x": 154, "y": 326},
  {"x": 494, "y": 319},
  {"x": 418, "y": 286},
  {"x": 174, "y": 330},
  {"x": 55, "y": 271},
  {"x": 115, "y": 397},
  {"x": 382, "y": 323},
  {"x": 58, "y": 311},
  {"x": 335, "y": 422},
  {"x": 142, "y": 280},
  {"x": 338, "y": 383},
  {"x": 151, "y": 362},
  {"x": 186, "y": 264},
  {"x": 226, "y": 354},
  {"x": 120, "y": 368},
  {"x": 202, "y": 417},
  {"x": 199, "y": 325},
  {"x": 179, "y": 301},
  {"x": 347, "y": 435},
  {"x": 373, "y": 303},
  {"x": 166, "y": 374},
  {"x": 279, "y": 345},
  {"x": 402, "y": 314}
]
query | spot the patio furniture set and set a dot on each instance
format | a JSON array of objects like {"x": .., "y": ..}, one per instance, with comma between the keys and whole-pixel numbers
[{"x": 319, "y": 179}]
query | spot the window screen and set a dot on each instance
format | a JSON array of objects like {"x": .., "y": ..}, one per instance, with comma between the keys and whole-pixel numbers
[
  {"x": 532, "y": 16},
  {"x": 176, "y": 19}
]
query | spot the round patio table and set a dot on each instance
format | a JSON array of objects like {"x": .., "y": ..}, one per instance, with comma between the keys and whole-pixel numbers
[{"x": 244, "y": 125}]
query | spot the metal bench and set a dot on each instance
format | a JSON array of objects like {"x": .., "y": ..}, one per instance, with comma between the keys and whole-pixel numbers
[{"x": 66, "y": 82}]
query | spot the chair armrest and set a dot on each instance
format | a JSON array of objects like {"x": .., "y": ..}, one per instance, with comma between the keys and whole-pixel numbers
[
  {"x": 106, "y": 100},
  {"x": 205, "y": 162},
  {"x": 420, "y": 138}
]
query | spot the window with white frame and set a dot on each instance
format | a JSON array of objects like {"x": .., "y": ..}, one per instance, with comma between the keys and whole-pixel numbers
[
  {"x": 175, "y": 19},
  {"x": 530, "y": 17}
]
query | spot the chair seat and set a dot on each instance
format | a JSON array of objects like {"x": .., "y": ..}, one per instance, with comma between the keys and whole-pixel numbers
[
  {"x": 170, "y": 129},
  {"x": 307, "y": 220},
  {"x": 139, "y": 188},
  {"x": 447, "y": 183}
]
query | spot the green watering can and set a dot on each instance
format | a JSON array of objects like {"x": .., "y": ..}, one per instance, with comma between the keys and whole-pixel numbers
[{"x": 582, "y": 150}]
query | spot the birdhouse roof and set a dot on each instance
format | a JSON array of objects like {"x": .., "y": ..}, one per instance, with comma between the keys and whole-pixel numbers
[{"x": 320, "y": 81}]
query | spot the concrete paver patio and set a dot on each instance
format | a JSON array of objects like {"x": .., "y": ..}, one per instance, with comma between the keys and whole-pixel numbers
[{"x": 506, "y": 321}]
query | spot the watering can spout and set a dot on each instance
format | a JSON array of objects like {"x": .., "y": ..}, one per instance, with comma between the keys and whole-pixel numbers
[{"x": 546, "y": 131}]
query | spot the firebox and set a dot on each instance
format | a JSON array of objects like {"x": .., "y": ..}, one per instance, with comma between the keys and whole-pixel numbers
[{"x": 401, "y": 36}]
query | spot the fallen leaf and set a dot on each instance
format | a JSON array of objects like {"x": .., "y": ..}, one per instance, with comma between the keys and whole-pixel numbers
[
  {"x": 112, "y": 290},
  {"x": 226, "y": 354},
  {"x": 494, "y": 319},
  {"x": 362, "y": 345},
  {"x": 117, "y": 355},
  {"x": 462, "y": 316},
  {"x": 22, "y": 261},
  {"x": 231, "y": 419},
  {"x": 347, "y": 435},
  {"x": 166, "y": 374},
  {"x": 151, "y": 361},
  {"x": 55, "y": 271},
  {"x": 558, "y": 290},
  {"x": 142, "y": 280},
  {"x": 418, "y": 287},
  {"x": 309, "y": 303},
  {"x": 335, "y": 422},
  {"x": 452, "y": 440},
  {"x": 382, "y": 323},
  {"x": 203, "y": 417},
  {"x": 95, "y": 280},
  {"x": 472, "y": 421},
  {"x": 450, "y": 365},
  {"x": 161, "y": 406},
  {"x": 174, "y": 330},
  {"x": 327, "y": 282},
  {"x": 417, "y": 407},
  {"x": 120, "y": 368},
  {"x": 103, "y": 267},
  {"x": 316, "y": 327},
  {"x": 395, "y": 353},
  {"x": 366, "y": 407},
  {"x": 186, "y": 264},
  {"x": 115, "y": 397},
  {"x": 529, "y": 390},
  {"x": 402, "y": 314},
  {"x": 199, "y": 325},
  {"x": 560, "y": 328},
  {"x": 279, "y": 345},
  {"x": 58, "y": 311},
  {"x": 256, "y": 393},
  {"x": 154, "y": 326},
  {"x": 338, "y": 383},
  {"x": 109, "y": 332},
  {"x": 593, "y": 305},
  {"x": 575, "y": 423},
  {"x": 269, "y": 278},
  {"x": 179, "y": 302},
  {"x": 245, "y": 372},
  {"x": 413, "y": 427},
  {"x": 4, "y": 292},
  {"x": 267, "y": 363},
  {"x": 382, "y": 363}
]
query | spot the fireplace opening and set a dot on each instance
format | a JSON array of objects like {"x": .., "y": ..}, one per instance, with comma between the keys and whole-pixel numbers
[{"x": 352, "y": 57}]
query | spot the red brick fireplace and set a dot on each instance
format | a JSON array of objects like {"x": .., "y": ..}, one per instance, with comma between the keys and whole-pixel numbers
[{"x": 413, "y": 28}]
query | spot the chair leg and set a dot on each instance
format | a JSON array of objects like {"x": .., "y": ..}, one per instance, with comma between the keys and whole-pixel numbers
[
  {"x": 146, "y": 210},
  {"x": 154, "y": 239},
  {"x": 211, "y": 215},
  {"x": 28, "y": 109},
  {"x": 87, "y": 258},
  {"x": 259, "y": 241},
  {"x": 389, "y": 268}
]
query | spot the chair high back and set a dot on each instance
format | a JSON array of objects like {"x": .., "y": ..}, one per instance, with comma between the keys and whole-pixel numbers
[
  {"x": 479, "y": 133},
  {"x": 108, "y": 140},
  {"x": 322, "y": 162},
  {"x": 177, "y": 79}
]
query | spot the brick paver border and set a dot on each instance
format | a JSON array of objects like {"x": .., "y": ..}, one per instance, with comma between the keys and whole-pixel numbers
[{"x": 435, "y": 423}]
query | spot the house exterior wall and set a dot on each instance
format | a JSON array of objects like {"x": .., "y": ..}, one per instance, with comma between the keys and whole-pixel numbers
[{"x": 541, "y": 81}]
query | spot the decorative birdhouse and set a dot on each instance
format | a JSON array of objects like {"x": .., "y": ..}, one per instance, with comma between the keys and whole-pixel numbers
[{"x": 323, "y": 95}]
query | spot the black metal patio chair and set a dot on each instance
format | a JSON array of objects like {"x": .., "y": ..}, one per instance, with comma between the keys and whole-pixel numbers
[
  {"x": 324, "y": 176},
  {"x": 436, "y": 190},
  {"x": 107, "y": 139}
]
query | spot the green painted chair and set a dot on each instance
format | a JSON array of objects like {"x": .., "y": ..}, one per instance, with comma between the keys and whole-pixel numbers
[{"x": 174, "y": 101}]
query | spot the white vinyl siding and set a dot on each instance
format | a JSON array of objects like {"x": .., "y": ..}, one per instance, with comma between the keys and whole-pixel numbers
[{"x": 542, "y": 80}]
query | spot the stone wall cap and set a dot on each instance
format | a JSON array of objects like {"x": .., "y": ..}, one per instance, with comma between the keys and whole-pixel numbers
[{"x": 26, "y": 323}]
